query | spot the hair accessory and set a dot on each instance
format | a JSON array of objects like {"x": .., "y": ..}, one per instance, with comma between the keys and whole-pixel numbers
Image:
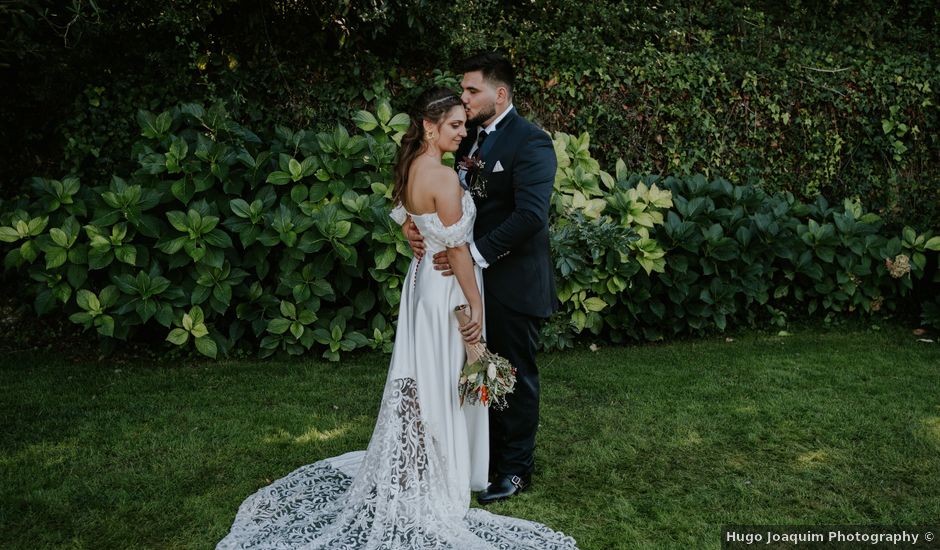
[{"x": 441, "y": 100}]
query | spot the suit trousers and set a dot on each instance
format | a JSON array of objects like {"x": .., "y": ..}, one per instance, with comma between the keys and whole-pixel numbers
[{"x": 514, "y": 336}]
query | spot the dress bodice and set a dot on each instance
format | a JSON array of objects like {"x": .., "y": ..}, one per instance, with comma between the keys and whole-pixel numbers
[{"x": 438, "y": 236}]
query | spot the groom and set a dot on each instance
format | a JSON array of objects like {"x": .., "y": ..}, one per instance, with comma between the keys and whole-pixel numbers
[{"x": 512, "y": 192}]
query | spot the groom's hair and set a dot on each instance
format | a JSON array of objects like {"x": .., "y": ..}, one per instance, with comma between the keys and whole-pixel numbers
[{"x": 494, "y": 66}]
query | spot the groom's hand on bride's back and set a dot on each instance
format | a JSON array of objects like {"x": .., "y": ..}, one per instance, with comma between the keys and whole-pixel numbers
[{"x": 414, "y": 238}]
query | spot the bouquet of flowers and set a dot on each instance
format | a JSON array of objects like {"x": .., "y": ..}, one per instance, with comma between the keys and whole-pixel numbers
[{"x": 486, "y": 377}]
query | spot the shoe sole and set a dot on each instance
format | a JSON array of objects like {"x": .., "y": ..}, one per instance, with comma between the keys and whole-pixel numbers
[{"x": 500, "y": 499}]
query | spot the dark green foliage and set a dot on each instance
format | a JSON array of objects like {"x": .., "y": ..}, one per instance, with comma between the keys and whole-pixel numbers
[
  {"x": 734, "y": 256},
  {"x": 834, "y": 98},
  {"x": 218, "y": 236},
  {"x": 242, "y": 244}
]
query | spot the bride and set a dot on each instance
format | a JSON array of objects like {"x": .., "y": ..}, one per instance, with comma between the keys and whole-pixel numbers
[{"x": 410, "y": 489}]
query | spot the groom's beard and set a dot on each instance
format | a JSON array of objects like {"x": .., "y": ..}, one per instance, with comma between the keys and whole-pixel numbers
[{"x": 482, "y": 116}]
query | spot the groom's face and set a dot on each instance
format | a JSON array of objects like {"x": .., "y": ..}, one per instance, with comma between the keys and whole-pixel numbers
[{"x": 479, "y": 98}]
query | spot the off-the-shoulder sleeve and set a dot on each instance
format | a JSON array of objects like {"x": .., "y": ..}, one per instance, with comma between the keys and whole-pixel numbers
[
  {"x": 451, "y": 235},
  {"x": 399, "y": 214},
  {"x": 459, "y": 233}
]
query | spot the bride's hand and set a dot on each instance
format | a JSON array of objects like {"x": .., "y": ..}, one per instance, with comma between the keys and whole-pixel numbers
[{"x": 473, "y": 330}]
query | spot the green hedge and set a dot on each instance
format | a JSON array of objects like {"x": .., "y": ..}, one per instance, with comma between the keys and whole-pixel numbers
[
  {"x": 836, "y": 98},
  {"x": 234, "y": 243}
]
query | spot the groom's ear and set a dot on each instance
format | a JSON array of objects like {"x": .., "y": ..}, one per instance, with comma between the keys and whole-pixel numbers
[{"x": 502, "y": 95}]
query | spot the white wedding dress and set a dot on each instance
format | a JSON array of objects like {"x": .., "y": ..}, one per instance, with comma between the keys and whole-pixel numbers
[{"x": 411, "y": 488}]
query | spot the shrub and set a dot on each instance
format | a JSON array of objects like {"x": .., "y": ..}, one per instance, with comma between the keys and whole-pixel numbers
[{"x": 234, "y": 243}]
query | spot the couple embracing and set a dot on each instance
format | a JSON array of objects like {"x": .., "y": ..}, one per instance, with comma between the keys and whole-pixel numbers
[{"x": 480, "y": 237}]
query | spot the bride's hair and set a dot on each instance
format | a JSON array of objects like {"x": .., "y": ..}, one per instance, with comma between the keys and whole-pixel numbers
[{"x": 432, "y": 105}]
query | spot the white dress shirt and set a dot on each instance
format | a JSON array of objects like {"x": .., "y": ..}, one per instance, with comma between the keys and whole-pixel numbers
[{"x": 477, "y": 257}]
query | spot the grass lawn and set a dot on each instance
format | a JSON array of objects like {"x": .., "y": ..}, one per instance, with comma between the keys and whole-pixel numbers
[{"x": 651, "y": 446}]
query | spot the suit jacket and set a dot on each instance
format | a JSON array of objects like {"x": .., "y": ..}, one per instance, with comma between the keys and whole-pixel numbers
[{"x": 511, "y": 229}]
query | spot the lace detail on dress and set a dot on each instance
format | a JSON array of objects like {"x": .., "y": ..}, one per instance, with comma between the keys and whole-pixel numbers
[
  {"x": 450, "y": 235},
  {"x": 399, "y": 214},
  {"x": 395, "y": 502},
  {"x": 410, "y": 489}
]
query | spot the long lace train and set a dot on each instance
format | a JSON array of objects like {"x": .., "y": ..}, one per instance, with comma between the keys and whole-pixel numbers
[
  {"x": 385, "y": 498},
  {"x": 411, "y": 488}
]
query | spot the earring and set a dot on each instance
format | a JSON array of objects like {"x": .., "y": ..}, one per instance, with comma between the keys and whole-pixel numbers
[{"x": 429, "y": 136}]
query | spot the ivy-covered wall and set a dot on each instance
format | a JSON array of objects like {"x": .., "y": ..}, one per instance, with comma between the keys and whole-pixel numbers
[{"x": 836, "y": 98}]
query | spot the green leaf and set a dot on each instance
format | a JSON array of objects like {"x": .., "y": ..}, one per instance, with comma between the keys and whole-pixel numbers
[
  {"x": 594, "y": 304},
  {"x": 207, "y": 347},
  {"x": 172, "y": 246},
  {"x": 199, "y": 330},
  {"x": 183, "y": 189},
  {"x": 278, "y": 325},
  {"x": 9, "y": 235},
  {"x": 36, "y": 225},
  {"x": 145, "y": 309},
  {"x": 87, "y": 300},
  {"x": 296, "y": 329},
  {"x": 240, "y": 208},
  {"x": 81, "y": 318},
  {"x": 306, "y": 317},
  {"x": 288, "y": 309},
  {"x": 178, "y": 220},
  {"x": 59, "y": 237},
  {"x": 299, "y": 193},
  {"x": 148, "y": 124},
  {"x": 384, "y": 111},
  {"x": 163, "y": 122},
  {"x": 126, "y": 253},
  {"x": 178, "y": 336},
  {"x": 55, "y": 256},
  {"x": 279, "y": 178},
  {"x": 399, "y": 122},
  {"x": 105, "y": 325},
  {"x": 365, "y": 121},
  {"x": 933, "y": 243},
  {"x": 385, "y": 257},
  {"x": 109, "y": 296},
  {"x": 197, "y": 315},
  {"x": 218, "y": 238},
  {"x": 909, "y": 235},
  {"x": 295, "y": 169}
]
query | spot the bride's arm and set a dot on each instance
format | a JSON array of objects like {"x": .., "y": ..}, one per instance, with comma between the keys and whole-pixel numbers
[{"x": 449, "y": 209}]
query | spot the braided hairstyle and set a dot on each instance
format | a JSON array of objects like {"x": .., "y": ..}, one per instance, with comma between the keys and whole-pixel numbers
[{"x": 431, "y": 106}]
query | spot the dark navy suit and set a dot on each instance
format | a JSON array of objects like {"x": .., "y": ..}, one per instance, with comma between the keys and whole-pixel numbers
[{"x": 511, "y": 233}]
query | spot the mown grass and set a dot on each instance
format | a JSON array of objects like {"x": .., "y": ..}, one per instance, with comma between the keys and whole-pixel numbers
[{"x": 652, "y": 446}]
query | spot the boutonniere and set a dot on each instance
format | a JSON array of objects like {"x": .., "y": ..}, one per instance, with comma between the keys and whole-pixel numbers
[{"x": 471, "y": 170}]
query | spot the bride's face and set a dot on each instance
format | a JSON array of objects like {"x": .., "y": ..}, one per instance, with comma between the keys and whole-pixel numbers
[{"x": 452, "y": 129}]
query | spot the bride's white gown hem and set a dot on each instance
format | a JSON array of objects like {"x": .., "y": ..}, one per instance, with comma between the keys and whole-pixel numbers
[{"x": 410, "y": 489}]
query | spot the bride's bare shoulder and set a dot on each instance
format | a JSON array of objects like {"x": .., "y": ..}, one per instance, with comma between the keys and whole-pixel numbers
[{"x": 435, "y": 180}]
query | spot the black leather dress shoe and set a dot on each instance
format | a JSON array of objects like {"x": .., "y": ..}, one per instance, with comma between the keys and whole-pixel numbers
[{"x": 503, "y": 487}]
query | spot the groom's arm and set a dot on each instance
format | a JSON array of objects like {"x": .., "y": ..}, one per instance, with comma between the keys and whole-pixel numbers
[{"x": 533, "y": 179}]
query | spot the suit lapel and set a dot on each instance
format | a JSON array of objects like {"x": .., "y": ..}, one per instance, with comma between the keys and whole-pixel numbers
[{"x": 492, "y": 139}]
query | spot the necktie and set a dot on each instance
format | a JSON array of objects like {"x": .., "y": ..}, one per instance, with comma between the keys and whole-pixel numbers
[{"x": 481, "y": 137}]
